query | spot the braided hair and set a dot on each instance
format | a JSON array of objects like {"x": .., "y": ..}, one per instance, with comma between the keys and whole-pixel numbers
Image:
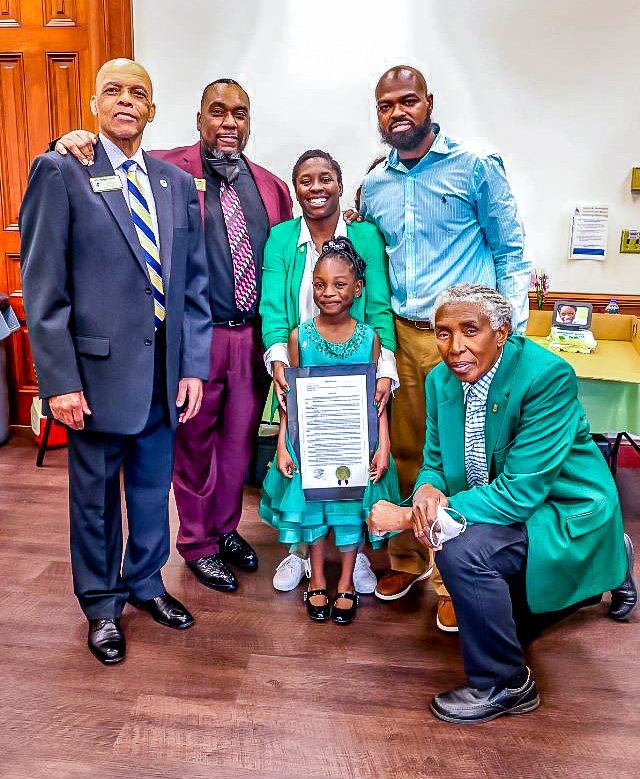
[{"x": 342, "y": 247}]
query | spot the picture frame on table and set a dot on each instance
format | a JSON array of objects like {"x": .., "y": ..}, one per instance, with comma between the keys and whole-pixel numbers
[{"x": 572, "y": 315}]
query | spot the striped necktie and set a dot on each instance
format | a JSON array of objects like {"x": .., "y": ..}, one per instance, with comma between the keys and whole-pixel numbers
[
  {"x": 144, "y": 227},
  {"x": 244, "y": 269}
]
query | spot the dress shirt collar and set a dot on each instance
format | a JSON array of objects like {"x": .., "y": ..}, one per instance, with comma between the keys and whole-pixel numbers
[
  {"x": 117, "y": 156},
  {"x": 480, "y": 389},
  {"x": 305, "y": 235},
  {"x": 439, "y": 146}
]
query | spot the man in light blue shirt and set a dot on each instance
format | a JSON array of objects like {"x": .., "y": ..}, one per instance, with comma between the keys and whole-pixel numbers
[{"x": 448, "y": 216}]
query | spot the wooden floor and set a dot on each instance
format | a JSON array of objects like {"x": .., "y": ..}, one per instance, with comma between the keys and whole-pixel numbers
[{"x": 257, "y": 691}]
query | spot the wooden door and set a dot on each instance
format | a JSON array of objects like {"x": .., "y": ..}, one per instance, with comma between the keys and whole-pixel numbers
[{"x": 50, "y": 51}]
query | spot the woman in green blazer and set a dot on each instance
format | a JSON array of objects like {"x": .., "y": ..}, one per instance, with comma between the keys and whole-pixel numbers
[
  {"x": 287, "y": 299},
  {"x": 289, "y": 257},
  {"x": 508, "y": 447}
]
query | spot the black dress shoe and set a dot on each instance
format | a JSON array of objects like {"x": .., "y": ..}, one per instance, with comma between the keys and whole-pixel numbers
[
  {"x": 212, "y": 572},
  {"x": 106, "y": 640},
  {"x": 624, "y": 598},
  {"x": 166, "y": 610},
  {"x": 317, "y": 613},
  {"x": 468, "y": 705},
  {"x": 235, "y": 550},
  {"x": 344, "y": 616}
]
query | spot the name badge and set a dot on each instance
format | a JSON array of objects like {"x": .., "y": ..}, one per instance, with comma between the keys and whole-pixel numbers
[
  {"x": 201, "y": 184},
  {"x": 105, "y": 183}
]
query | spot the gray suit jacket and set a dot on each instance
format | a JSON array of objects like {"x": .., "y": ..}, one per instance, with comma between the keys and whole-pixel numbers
[{"x": 87, "y": 292}]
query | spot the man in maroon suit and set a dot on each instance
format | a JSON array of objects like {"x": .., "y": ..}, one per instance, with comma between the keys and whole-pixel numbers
[{"x": 239, "y": 201}]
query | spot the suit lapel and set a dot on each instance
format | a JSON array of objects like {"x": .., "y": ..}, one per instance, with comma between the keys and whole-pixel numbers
[
  {"x": 193, "y": 165},
  {"x": 297, "y": 260},
  {"x": 163, "y": 198},
  {"x": 498, "y": 398},
  {"x": 451, "y": 431},
  {"x": 116, "y": 203},
  {"x": 265, "y": 190}
]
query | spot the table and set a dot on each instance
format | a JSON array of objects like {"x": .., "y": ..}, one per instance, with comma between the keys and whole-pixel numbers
[{"x": 609, "y": 378}]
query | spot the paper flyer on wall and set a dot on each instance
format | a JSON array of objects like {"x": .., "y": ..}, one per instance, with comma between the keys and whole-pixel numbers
[{"x": 589, "y": 232}]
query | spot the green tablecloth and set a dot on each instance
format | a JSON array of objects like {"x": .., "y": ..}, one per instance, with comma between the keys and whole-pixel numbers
[
  {"x": 611, "y": 406},
  {"x": 609, "y": 382}
]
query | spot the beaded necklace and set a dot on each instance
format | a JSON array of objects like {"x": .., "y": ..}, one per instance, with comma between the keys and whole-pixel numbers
[{"x": 341, "y": 351}]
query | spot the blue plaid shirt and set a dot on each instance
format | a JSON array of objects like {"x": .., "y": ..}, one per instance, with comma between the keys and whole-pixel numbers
[
  {"x": 451, "y": 218},
  {"x": 475, "y": 404}
]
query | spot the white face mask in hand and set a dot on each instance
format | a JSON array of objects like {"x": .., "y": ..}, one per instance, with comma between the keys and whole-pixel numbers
[{"x": 446, "y": 526}]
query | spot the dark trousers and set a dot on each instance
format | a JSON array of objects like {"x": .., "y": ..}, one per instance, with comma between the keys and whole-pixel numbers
[
  {"x": 484, "y": 571},
  {"x": 213, "y": 450},
  {"x": 102, "y": 581}
]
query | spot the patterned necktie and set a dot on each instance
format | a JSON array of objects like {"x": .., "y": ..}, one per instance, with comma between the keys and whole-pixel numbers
[
  {"x": 244, "y": 269},
  {"x": 144, "y": 227}
]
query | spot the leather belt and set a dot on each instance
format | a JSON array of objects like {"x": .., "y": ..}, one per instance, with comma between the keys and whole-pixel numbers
[
  {"x": 419, "y": 324},
  {"x": 234, "y": 322}
]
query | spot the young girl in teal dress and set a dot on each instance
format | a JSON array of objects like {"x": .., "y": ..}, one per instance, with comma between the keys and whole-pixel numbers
[{"x": 334, "y": 337}]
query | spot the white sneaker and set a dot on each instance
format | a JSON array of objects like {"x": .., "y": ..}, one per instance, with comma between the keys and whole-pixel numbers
[
  {"x": 364, "y": 579},
  {"x": 289, "y": 573}
]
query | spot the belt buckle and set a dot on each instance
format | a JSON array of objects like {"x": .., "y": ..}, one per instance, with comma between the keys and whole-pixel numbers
[{"x": 427, "y": 325}]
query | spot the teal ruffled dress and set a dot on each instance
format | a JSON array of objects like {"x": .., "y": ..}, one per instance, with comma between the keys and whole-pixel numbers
[{"x": 283, "y": 505}]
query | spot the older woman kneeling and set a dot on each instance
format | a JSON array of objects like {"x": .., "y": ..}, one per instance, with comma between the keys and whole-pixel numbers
[{"x": 508, "y": 448}]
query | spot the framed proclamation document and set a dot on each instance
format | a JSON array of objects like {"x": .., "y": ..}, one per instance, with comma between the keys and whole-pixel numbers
[{"x": 333, "y": 427}]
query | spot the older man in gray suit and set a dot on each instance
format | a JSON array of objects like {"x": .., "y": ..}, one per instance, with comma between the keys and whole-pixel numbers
[{"x": 116, "y": 293}]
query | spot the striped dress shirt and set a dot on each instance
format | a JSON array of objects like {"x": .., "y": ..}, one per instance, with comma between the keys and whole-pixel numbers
[
  {"x": 451, "y": 218},
  {"x": 475, "y": 405}
]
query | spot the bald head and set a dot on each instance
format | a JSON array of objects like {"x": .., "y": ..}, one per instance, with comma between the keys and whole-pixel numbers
[
  {"x": 399, "y": 75},
  {"x": 123, "y": 103},
  {"x": 119, "y": 66},
  {"x": 404, "y": 111}
]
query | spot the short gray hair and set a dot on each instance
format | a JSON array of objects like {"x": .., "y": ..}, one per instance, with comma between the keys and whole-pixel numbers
[{"x": 496, "y": 308}]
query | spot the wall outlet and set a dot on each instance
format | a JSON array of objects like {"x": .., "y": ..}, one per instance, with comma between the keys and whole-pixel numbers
[{"x": 630, "y": 242}]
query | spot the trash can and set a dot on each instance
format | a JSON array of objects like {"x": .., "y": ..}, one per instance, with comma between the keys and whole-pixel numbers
[{"x": 8, "y": 324}]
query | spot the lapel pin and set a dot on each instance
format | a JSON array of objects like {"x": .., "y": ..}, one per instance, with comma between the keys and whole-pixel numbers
[
  {"x": 494, "y": 408},
  {"x": 163, "y": 183}
]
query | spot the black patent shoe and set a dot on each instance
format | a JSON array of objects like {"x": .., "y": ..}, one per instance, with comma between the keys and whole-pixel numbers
[
  {"x": 624, "y": 598},
  {"x": 165, "y": 610},
  {"x": 213, "y": 573},
  {"x": 317, "y": 613},
  {"x": 106, "y": 640},
  {"x": 344, "y": 616},
  {"x": 236, "y": 551},
  {"x": 468, "y": 705}
]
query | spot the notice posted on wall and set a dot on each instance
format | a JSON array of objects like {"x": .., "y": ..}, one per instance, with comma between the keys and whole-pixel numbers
[{"x": 589, "y": 232}]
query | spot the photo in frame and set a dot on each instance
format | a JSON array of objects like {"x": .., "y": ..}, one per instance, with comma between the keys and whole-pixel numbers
[
  {"x": 333, "y": 428},
  {"x": 571, "y": 315}
]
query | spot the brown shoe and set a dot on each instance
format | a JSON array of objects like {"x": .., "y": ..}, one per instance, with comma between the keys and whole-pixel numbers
[
  {"x": 445, "y": 615},
  {"x": 395, "y": 584}
]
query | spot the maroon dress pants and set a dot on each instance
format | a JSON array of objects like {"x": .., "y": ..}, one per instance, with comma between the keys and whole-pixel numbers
[{"x": 213, "y": 450}]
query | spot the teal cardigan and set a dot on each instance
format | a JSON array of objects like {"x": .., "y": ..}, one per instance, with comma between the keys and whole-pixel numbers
[
  {"x": 544, "y": 470},
  {"x": 282, "y": 274}
]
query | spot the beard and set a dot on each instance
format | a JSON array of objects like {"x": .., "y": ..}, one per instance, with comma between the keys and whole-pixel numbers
[
  {"x": 409, "y": 139},
  {"x": 216, "y": 154}
]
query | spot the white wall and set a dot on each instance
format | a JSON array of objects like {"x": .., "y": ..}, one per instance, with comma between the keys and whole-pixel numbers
[{"x": 550, "y": 84}]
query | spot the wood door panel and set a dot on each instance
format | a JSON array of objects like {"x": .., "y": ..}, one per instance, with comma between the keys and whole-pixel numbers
[
  {"x": 14, "y": 162},
  {"x": 63, "y": 81},
  {"x": 14, "y": 284},
  {"x": 59, "y": 13},
  {"x": 9, "y": 13}
]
